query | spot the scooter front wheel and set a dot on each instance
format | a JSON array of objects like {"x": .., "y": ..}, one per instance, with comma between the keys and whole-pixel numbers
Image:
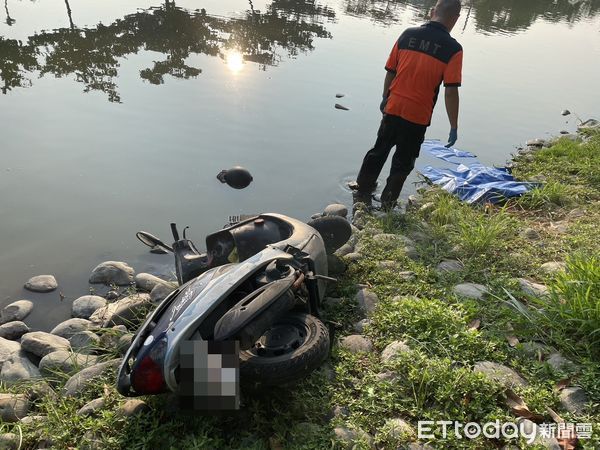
[{"x": 294, "y": 346}]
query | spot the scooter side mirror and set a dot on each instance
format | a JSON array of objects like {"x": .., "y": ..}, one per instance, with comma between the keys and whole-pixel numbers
[{"x": 152, "y": 241}]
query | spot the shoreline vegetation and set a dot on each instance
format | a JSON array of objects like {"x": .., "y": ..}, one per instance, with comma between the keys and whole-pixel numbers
[{"x": 445, "y": 311}]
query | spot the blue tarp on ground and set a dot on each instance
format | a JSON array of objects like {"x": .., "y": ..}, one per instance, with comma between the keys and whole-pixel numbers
[
  {"x": 437, "y": 149},
  {"x": 477, "y": 183}
]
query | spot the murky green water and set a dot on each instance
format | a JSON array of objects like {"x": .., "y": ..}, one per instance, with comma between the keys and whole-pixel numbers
[{"x": 116, "y": 115}]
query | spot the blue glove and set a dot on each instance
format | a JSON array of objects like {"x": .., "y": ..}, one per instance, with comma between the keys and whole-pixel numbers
[
  {"x": 382, "y": 104},
  {"x": 452, "y": 137}
]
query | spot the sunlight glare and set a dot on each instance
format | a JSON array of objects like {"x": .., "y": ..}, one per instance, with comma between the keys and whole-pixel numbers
[{"x": 235, "y": 61}]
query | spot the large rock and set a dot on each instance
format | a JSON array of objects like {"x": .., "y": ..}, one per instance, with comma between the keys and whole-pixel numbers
[
  {"x": 367, "y": 300},
  {"x": 9, "y": 441},
  {"x": 41, "y": 343},
  {"x": 41, "y": 283},
  {"x": 356, "y": 343},
  {"x": 147, "y": 282},
  {"x": 553, "y": 267},
  {"x": 70, "y": 327},
  {"x": 112, "y": 272},
  {"x": 160, "y": 292},
  {"x": 15, "y": 311},
  {"x": 13, "y": 330},
  {"x": 7, "y": 348},
  {"x": 85, "y": 306},
  {"x": 450, "y": 266},
  {"x": 122, "y": 312},
  {"x": 561, "y": 364},
  {"x": 336, "y": 209},
  {"x": 91, "y": 407},
  {"x": 499, "y": 373},
  {"x": 85, "y": 342},
  {"x": 574, "y": 400},
  {"x": 350, "y": 437},
  {"x": 393, "y": 350},
  {"x": 78, "y": 382},
  {"x": 65, "y": 362},
  {"x": 133, "y": 407},
  {"x": 532, "y": 289},
  {"x": 344, "y": 250},
  {"x": 531, "y": 429},
  {"x": 470, "y": 290},
  {"x": 399, "y": 429},
  {"x": 335, "y": 265},
  {"x": 13, "y": 407},
  {"x": 390, "y": 241},
  {"x": 18, "y": 368}
]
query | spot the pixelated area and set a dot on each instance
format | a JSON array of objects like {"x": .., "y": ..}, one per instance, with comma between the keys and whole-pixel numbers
[{"x": 209, "y": 375}]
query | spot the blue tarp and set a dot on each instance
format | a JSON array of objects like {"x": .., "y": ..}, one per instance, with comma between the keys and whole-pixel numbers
[
  {"x": 437, "y": 149},
  {"x": 477, "y": 183}
]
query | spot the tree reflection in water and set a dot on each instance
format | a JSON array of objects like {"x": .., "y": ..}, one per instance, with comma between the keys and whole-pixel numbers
[
  {"x": 489, "y": 16},
  {"x": 92, "y": 54}
]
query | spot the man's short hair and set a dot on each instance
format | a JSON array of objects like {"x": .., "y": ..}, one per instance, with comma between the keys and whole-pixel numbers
[{"x": 448, "y": 8}]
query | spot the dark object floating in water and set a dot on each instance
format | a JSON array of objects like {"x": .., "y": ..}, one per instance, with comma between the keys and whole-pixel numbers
[
  {"x": 339, "y": 95},
  {"x": 338, "y": 106},
  {"x": 566, "y": 112},
  {"x": 237, "y": 177},
  {"x": 564, "y": 132}
]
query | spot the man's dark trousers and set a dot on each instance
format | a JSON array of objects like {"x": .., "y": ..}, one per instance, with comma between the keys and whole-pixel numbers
[{"x": 407, "y": 137}]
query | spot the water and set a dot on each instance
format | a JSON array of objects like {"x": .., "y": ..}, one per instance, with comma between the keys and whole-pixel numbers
[{"x": 117, "y": 115}]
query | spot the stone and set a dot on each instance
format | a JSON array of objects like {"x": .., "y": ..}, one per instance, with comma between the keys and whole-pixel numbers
[
  {"x": 70, "y": 327},
  {"x": 30, "y": 420},
  {"x": 367, "y": 300},
  {"x": 560, "y": 227},
  {"x": 78, "y": 382},
  {"x": 565, "y": 112},
  {"x": 359, "y": 326},
  {"x": 354, "y": 257},
  {"x": 133, "y": 407},
  {"x": 391, "y": 241},
  {"x": 9, "y": 441},
  {"x": 589, "y": 124},
  {"x": 532, "y": 289},
  {"x": 112, "y": 272},
  {"x": 470, "y": 290},
  {"x": 344, "y": 250},
  {"x": 41, "y": 343},
  {"x": 411, "y": 253},
  {"x": 340, "y": 411},
  {"x": 574, "y": 400},
  {"x": 83, "y": 307},
  {"x": 427, "y": 207},
  {"x": 122, "y": 312},
  {"x": 387, "y": 376},
  {"x": 392, "y": 350},
  {"x": 39, "y": 390},
  {"x": 124, "y": 343},
  {"x": 356, "y": 343},
  {"x": 160, "y": 292},
  {"x": 399, "y": 429},
  {"x": 336, "y": 209},
  {"x": 112, "y": 295},
  {"x": 553, "y": 267},
  {"x": 91, "y": 407},
  {"x": 41, "y": 283},
  {"x": 450, "y": 266},
  {"x": 13, "y": 407},
  {"x": 531, "y": 429},
  {"x": 65, "y": 362},
  {"x": 147, "y": 282},
  {"x": 389, "y": 265},
  {"x": 534, "y": 349},
  {"x": 561, "y": 364},
  {"x": 13, "y": 330},
  {"x": 350, "y": 437},
  {"x": 407, "y": 275},
  {"x": 530, "y": 234},
  {"x": 15, "y": 311},
  {"x": 7, "y": 348},
  {"x": 335, "y": 265},
  {"x": 499, "y": 373},
  {"x": 535, "y": 142},
  {"x": 18, "y": 368},
  {"x": 85, "y": 342}
]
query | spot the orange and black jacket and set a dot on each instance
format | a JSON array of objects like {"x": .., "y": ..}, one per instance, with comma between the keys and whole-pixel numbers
[{"x": 422, "y": 59}]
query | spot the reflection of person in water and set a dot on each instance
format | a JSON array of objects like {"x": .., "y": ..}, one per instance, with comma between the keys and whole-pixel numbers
[{"x": 421, "y": 59}]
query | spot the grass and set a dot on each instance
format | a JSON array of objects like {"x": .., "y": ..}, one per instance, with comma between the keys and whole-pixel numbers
[{"x": 434, "y": 379}]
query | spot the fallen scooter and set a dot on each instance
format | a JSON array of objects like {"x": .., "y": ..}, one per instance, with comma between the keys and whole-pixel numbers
[{"x": 259, "y": 284}]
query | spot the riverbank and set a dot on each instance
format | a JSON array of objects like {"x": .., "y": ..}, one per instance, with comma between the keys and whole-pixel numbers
[{"x": 447, "y": 312}]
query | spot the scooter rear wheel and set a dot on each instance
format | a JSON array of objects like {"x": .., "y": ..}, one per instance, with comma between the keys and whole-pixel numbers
[{"x": 294, "y": 346}]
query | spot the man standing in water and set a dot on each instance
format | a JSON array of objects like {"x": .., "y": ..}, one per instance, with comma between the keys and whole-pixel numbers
[{"x": 421, "y": 59}]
